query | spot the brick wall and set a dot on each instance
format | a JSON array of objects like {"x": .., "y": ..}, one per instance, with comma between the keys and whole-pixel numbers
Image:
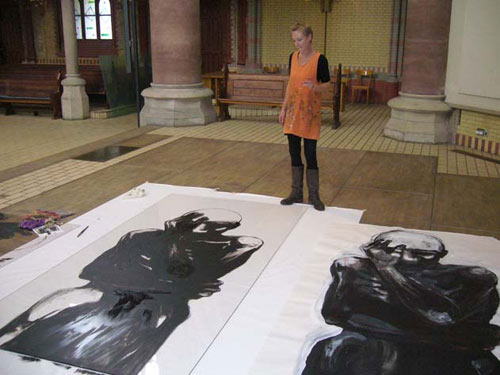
[
  {"x": 359, "y": 32},
  {"x": 469, "y": 122}
]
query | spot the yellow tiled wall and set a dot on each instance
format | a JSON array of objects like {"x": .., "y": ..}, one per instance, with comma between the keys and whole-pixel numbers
[
  {"x": 470, "y": 121},
  {"x": 358, "y": 31},
  {"x": 277, "y": 18}
]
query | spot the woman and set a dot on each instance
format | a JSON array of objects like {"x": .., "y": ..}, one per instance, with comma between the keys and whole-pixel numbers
[{"x": 301, "y": 113}]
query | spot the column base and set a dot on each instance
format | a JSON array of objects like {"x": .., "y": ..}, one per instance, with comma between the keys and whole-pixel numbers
[
  {"x": 419, "y": 118},
  {"x": 74, "y": 100},
  {"x": 177, "y": 105}
]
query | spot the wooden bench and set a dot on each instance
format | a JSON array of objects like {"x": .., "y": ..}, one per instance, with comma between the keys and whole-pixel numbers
[
  {"x": 42, "y": 74},
  {"x": 264, "y": 90},
  {"x": 38, "y": 89},
  {"x": 90, "y": 73}
]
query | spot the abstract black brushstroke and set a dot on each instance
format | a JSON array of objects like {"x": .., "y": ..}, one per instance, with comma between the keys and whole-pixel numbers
[
  {"x": 144, "y": 283},
  {"x": 30, "y": 359},
  {"x": 62, "y": 365},
  {"x": 402, "y": 312}
]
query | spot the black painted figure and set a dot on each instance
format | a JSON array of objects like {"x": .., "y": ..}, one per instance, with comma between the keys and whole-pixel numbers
[
  {"x": 402, "y": 312},
  {"x": 140, "y": 289}
]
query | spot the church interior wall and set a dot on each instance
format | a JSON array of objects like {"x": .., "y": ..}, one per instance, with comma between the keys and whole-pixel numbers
[
  {"x": 473, "y": 73},
  {"x": 358, "y": 31}
]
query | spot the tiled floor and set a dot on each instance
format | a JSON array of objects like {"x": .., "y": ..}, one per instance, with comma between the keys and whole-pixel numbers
[
  {"x": 31, "y": 184},
  {"x": 26, "y": 138},
  {"x": 362, "y": 129},
  {"x": 398, "y": 183}
]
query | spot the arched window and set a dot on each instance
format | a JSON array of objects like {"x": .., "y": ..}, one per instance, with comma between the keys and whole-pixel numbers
[
  {"x": 95, "y": 28},
  {"x": 93, "y": 20}
]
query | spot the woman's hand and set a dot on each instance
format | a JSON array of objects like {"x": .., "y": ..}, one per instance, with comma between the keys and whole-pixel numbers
[{"x": 282, "y": 115}]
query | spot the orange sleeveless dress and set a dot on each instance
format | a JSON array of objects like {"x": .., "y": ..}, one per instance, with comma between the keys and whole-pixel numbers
[{"x": 303, "y": 113}]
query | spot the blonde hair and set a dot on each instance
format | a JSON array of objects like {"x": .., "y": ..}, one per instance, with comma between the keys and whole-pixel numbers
[{"x": 306, "y": 30}]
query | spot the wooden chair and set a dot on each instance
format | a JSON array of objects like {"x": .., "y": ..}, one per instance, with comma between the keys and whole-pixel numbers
[
  {"x": 345, "y": 78},
  {"x": 363, "y": 83}
]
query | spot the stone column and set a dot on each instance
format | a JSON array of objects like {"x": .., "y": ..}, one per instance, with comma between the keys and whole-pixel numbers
[
  {"x": 419, "y": 113},
  {"x": 74, "y": 100},
  {"x": 176, "y": 97}
]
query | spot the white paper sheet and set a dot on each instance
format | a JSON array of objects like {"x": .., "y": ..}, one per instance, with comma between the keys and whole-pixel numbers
[
  {"x": 276, "y": 335},
  {"x": 56, "y": 264}
]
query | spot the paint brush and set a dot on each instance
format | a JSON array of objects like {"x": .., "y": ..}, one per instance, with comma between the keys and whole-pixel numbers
[{"x": 83, "y": 230}]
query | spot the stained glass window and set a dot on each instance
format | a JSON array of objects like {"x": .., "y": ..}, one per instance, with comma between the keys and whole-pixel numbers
[
  {"x": 90, "y": 27},
  {"x": 106, "y": 29},
  {"x": 89, "y": 6},
  {"x": 93, "y": 19},
  {"x": 104, "y": 7},
  {"x": 78, "y": 20},
  {"x": 90, "y": 19}
]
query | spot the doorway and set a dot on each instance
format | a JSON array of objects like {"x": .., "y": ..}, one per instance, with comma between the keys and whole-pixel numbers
[{"x": 215, "y": 34}]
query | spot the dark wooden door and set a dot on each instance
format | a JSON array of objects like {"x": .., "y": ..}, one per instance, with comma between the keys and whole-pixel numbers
[
  {"x": 215, "y": 34},
  {"x": 143, "y": 26},
  {"x": 12, "y": 49},
  {"x": 242, "y": 31}
]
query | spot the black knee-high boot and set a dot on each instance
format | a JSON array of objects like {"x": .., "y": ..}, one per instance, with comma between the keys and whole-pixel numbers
[
  {"x": 296, "y": 195},
  {"x": 312, "y": 176}
]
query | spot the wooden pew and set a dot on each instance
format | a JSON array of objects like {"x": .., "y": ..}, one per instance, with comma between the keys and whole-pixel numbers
[
  {"x": 28, "y": 84},
  {"x": 93, "y": 77},
  {"x": 36, "y": 89},
  {"x": 260, "y": 90}
]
